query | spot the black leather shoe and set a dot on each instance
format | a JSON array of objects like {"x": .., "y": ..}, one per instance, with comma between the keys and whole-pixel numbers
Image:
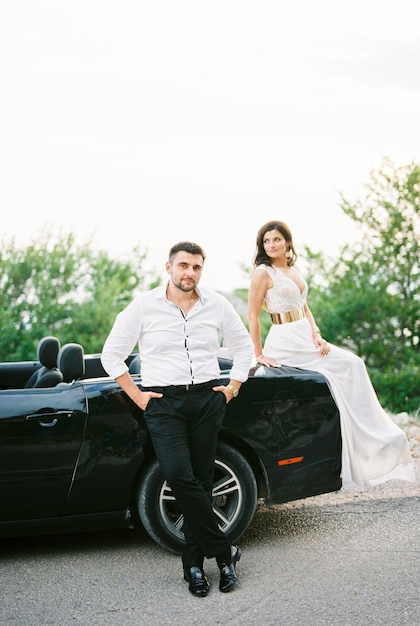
[
  {"x": 199, "y": 584},
  {"x": 228, "y": 577}
]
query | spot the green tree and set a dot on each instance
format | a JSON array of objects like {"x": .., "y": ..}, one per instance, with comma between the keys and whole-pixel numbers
[
  {"x": 56, "y": 286},
  {"x": 369, "y": 298}
]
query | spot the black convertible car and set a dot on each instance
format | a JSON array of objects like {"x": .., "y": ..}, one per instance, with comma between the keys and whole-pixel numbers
[{"x": 75, "y": 452}]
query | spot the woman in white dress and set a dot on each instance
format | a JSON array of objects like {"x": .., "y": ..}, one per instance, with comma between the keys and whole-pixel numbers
[{"x": 375, "y": 449}]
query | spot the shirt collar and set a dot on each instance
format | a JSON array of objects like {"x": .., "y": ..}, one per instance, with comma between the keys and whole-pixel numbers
[{"x": 161, "y": 292}]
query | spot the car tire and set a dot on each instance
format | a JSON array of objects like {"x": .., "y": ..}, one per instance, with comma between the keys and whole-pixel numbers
[{"x": 234, "y": 500}]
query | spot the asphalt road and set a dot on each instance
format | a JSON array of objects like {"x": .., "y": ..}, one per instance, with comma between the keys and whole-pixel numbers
[{"x": 346, "y": 563}]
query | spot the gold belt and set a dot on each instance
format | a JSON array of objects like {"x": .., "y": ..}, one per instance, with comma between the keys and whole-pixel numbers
[{"x": 288, "y": 316}]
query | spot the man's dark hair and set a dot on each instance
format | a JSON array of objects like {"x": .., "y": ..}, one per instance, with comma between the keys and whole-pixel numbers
[{"x": 186, "y": 246}]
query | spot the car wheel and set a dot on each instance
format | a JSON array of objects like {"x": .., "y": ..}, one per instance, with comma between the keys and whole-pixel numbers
[{"x": 234, "y": 500}]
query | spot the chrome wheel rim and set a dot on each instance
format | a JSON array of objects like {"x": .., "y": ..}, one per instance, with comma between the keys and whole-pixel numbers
[{"x": 227, "y": 501}]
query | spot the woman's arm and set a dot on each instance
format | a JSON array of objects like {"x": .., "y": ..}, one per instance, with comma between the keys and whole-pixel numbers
[
  {"x": 319, "y": 342},
  {"x": 259, "y": 284}
]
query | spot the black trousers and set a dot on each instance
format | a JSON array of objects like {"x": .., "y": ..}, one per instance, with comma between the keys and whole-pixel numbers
[{"x": 184, "y": 426}]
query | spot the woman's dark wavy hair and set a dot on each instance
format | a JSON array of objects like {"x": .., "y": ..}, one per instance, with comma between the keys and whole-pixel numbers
[
  {"x": 186, "y": 246},
  {"x": 260, "y": 255}
]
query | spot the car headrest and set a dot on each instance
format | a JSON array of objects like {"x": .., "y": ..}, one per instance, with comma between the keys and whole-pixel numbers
[
  {"x": 71, "y": 362},
  {"x": 47, "y": 351}
]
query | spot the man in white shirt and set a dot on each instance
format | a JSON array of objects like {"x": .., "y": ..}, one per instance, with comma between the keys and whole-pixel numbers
[{"x": 178, "y": 328}]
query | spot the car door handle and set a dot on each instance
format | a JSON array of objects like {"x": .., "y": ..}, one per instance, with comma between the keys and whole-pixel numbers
[{"x": 51, "y": 417}]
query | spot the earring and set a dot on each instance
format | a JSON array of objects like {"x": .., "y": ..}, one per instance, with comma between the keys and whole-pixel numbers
[{"x": 289, "y": 254}]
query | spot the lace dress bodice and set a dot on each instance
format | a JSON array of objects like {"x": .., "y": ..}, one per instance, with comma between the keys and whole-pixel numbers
[{"x": 284, "y": 295}]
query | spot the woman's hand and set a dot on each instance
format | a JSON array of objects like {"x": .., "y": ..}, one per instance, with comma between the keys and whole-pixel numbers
[
  {"x": 266, "y": 360},
  {"x": 321, "y": 345}
]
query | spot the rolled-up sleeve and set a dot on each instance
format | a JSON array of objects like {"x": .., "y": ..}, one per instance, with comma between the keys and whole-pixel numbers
[
  {"x": 238, "y": 342},
  {"x": 122, "y": 340}
]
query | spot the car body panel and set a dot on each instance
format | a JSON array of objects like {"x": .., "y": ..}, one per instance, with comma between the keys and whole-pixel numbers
[
  {"x": 41, "y": 432},
  {"x": 72, "y": 457},
  {"x": 289, "y": 418}
]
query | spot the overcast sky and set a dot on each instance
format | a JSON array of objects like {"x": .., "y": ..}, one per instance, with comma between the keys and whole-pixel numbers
[{"x": 149, "y": 122}]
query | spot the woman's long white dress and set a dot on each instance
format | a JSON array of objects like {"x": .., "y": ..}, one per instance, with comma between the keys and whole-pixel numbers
[{"x": 375, "y": 449}]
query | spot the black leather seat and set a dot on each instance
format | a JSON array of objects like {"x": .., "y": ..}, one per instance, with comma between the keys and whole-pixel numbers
[
  {"x": 48, "y": 375},
  {"x": 71, "y": 362},
  {"x": 134, "y": 367}
]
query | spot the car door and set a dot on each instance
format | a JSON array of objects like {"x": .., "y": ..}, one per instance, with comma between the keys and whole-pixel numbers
[{"x": 41, "y": 432}]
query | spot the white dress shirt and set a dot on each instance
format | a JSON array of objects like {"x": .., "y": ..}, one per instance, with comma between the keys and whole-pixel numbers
[{"x": 177, "y": 348}]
